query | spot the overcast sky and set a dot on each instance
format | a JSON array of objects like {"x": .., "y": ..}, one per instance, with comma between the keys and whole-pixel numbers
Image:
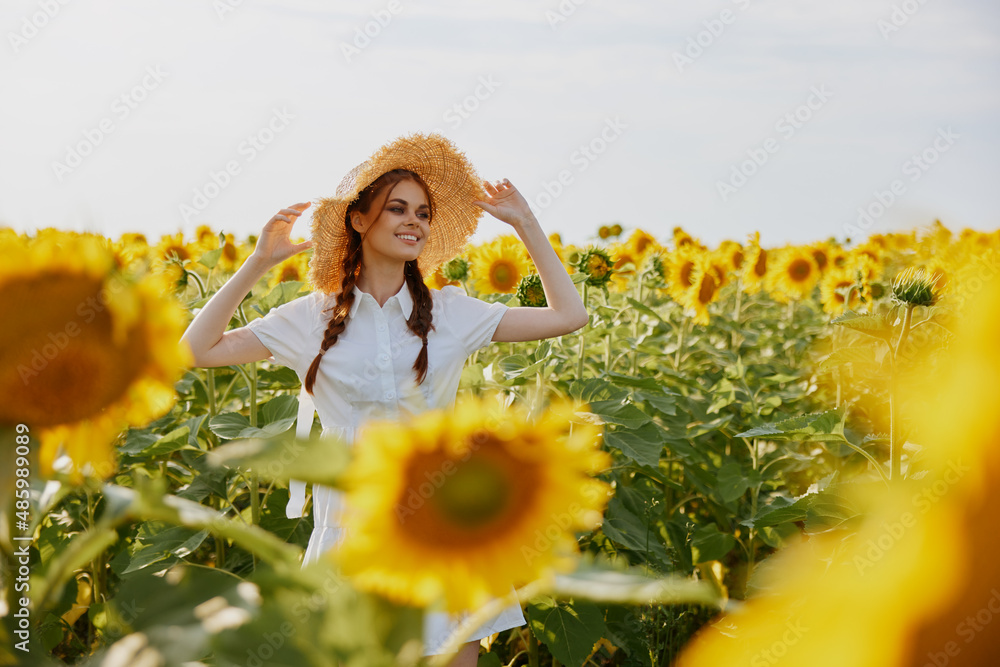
[{"x": 722, "y": 116}]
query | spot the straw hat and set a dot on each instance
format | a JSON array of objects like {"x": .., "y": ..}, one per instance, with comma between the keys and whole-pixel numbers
[{"x": 454, "y": 185}]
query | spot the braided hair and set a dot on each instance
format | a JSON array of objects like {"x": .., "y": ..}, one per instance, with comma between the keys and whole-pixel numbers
[{"x": 420, "y": 321}]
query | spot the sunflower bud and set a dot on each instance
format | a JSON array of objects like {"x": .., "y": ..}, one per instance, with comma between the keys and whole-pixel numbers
[
  {"x": 596, "y": 263},
  {"x": 455, "y": 269},
  {"x": 616, "y": 229},
  {"x": 530, "y": 291},
  {"x": 914, "y": 287}
]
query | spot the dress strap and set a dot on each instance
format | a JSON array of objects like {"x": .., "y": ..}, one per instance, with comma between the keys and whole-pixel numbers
[{"x": 303, "y": 427}]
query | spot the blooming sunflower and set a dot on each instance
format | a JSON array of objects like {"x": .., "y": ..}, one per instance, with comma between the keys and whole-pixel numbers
[
  {"x": 640, "y": 242},
  {"x": 450, "y": 505},
  {"x": 103, "y": 353},
  {"x": 704, "y": 289},
  {"x": 498, "y": 266},
  {"x": 293, "y": 269},
  {"x": 625, "y": 262},
  {"x": 205, "y": 238},
  {"x": 681, "y": 276},
  {"x": 169, "y": 250},
  {"x": 833, "y": 288},
  {"x": 792, "y": 275},
  {"x": 755, "y": 266}
]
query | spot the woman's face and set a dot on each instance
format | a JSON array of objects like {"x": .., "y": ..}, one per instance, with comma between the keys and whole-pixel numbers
[{"x": 400, "y": 230}]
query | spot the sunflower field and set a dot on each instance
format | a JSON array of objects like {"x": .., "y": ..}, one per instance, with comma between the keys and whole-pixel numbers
[{"x": 749, "y": 456}]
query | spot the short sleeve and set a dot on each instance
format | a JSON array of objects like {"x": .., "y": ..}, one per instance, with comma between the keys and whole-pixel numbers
[
  {"x": 472, "y": 320},
  {"x": 285, "y": 331}
]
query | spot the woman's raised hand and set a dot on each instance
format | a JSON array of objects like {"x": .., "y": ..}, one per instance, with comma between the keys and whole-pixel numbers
[{"x": 273, "y": 245}]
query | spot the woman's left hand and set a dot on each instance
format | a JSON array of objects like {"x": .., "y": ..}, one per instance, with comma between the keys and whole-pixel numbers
[{"x": 506, "y": 203}]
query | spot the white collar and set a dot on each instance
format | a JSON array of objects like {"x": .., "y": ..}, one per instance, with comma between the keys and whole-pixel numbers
[{"x": 402, "y": 297}]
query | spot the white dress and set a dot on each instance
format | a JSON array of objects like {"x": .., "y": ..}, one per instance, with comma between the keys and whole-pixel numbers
[{"x": 368, "y": 374}]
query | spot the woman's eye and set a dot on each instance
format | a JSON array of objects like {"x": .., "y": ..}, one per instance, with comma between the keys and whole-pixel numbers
[{"x": 426, "y": 216}]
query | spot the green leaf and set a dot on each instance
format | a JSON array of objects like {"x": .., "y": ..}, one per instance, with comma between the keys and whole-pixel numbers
[
  {"x": 710, "y": 544},
  {"x": 568, "y": 630},
  {"x": 171, "y": 442},
  {"x": 228, "y": 425},
  {"x": 320, "y": 460},
  {"x": 817, "y": 427},
  {"x": 617, "y": 412},
  {"x": 856, "y": 354},
  {"x": 643, "y": 308},
  {"x": 732, "y": 483},
  {"x": 279, "y": 408},
  {"x": 643, "y": 445},
  {"x": 210, "y": 258},
  {"x": 281, "y": 293},
  {"x": 872, "y": 325},
  {"x": 174, "y": 541}
]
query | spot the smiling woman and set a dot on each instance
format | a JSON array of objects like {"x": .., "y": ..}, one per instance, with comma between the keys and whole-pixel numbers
[{"x": 373, "y": 342}]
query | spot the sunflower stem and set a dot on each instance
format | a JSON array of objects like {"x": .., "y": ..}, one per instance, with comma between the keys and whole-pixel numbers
[
  {"x": 532, "y": 649},
  {"x": 254, "y": 481},
  {"x": 197, "y": 281},
  {"x": 583, "y": 334},
  {"x": 895, "y": 447},
  {"x": 635, "y": 329},
  {"x": 212, "y": 408},
  {"x": 737, "y": 312},
  {"x": 680, "y": 343}
]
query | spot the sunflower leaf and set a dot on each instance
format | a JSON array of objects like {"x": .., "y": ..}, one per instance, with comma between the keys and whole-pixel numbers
[
  {"x": 872, "y": 325},
  {"x": 569, "y": 630},
  {"x": 817, "y": 427}
]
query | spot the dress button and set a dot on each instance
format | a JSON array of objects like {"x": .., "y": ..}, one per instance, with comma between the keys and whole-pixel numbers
[
  {"x": 381, "y": 327},
  {"x": 383, "y": 357},
  {"x": 389, "y": 395}
]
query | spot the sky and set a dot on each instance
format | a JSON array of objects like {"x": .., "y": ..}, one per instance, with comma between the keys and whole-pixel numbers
[{"x": 798, "y": 119}]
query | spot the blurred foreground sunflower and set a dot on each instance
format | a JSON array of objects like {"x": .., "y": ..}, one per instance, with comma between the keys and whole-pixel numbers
[
  {"x": 85, "y": 349},
  {"x": 498, "y": 266},
  {"x": 450, "y": 505},
  {"x": 917, "y": 582}
]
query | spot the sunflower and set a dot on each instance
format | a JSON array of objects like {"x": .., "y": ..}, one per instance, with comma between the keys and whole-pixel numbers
[
  {"x": 101, "y": 355},
  {"x": 792, "y": 275},
  {"x": 821, "y": 255},
  {"x": 293, "y": 269},
  {"x": 640, "y": 242},
  {"x": 170, "y": 254},
  {"x": 530, "y": 291},
  {"x": 205, "y": 238},
  {"x": 451, "y": 504},
  {"x": 624, "y": 267},
  {"x": 731, "y": 253},
  {"x": 498, "y": 266},
  {"x": 755, "y": 266},
  {"x": 704, "y": 289},
  {"x": 597, "y": 264},
  {"x": 915, "y": 580},
  {"x": 233, "y": 254},
  {"x": 833, "y": 288},
  {"x": 681, "y": 273}
]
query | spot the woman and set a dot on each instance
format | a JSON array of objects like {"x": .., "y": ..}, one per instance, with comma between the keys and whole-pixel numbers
[{"x": 372, "y": 340}]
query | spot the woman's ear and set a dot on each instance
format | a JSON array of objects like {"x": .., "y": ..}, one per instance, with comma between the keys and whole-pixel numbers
[{"x": 357, "y": 222}]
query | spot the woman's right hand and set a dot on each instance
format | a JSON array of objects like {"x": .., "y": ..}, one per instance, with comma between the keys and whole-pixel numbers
[{"x": 273, "y": 245}]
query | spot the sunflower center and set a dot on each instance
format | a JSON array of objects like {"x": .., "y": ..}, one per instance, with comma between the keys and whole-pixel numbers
[
  {"x": 451, "y": 502},
  {"x": 59, "y": 364},
  {"x": 503, "y": 275},
  {"x": 707, "y": 291},
  {"x": 597, "y": 267},
  {"x": 799, "y": 270},
  {"x": 760, "y": 267},
  {"x": 686, "y": 271}
]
